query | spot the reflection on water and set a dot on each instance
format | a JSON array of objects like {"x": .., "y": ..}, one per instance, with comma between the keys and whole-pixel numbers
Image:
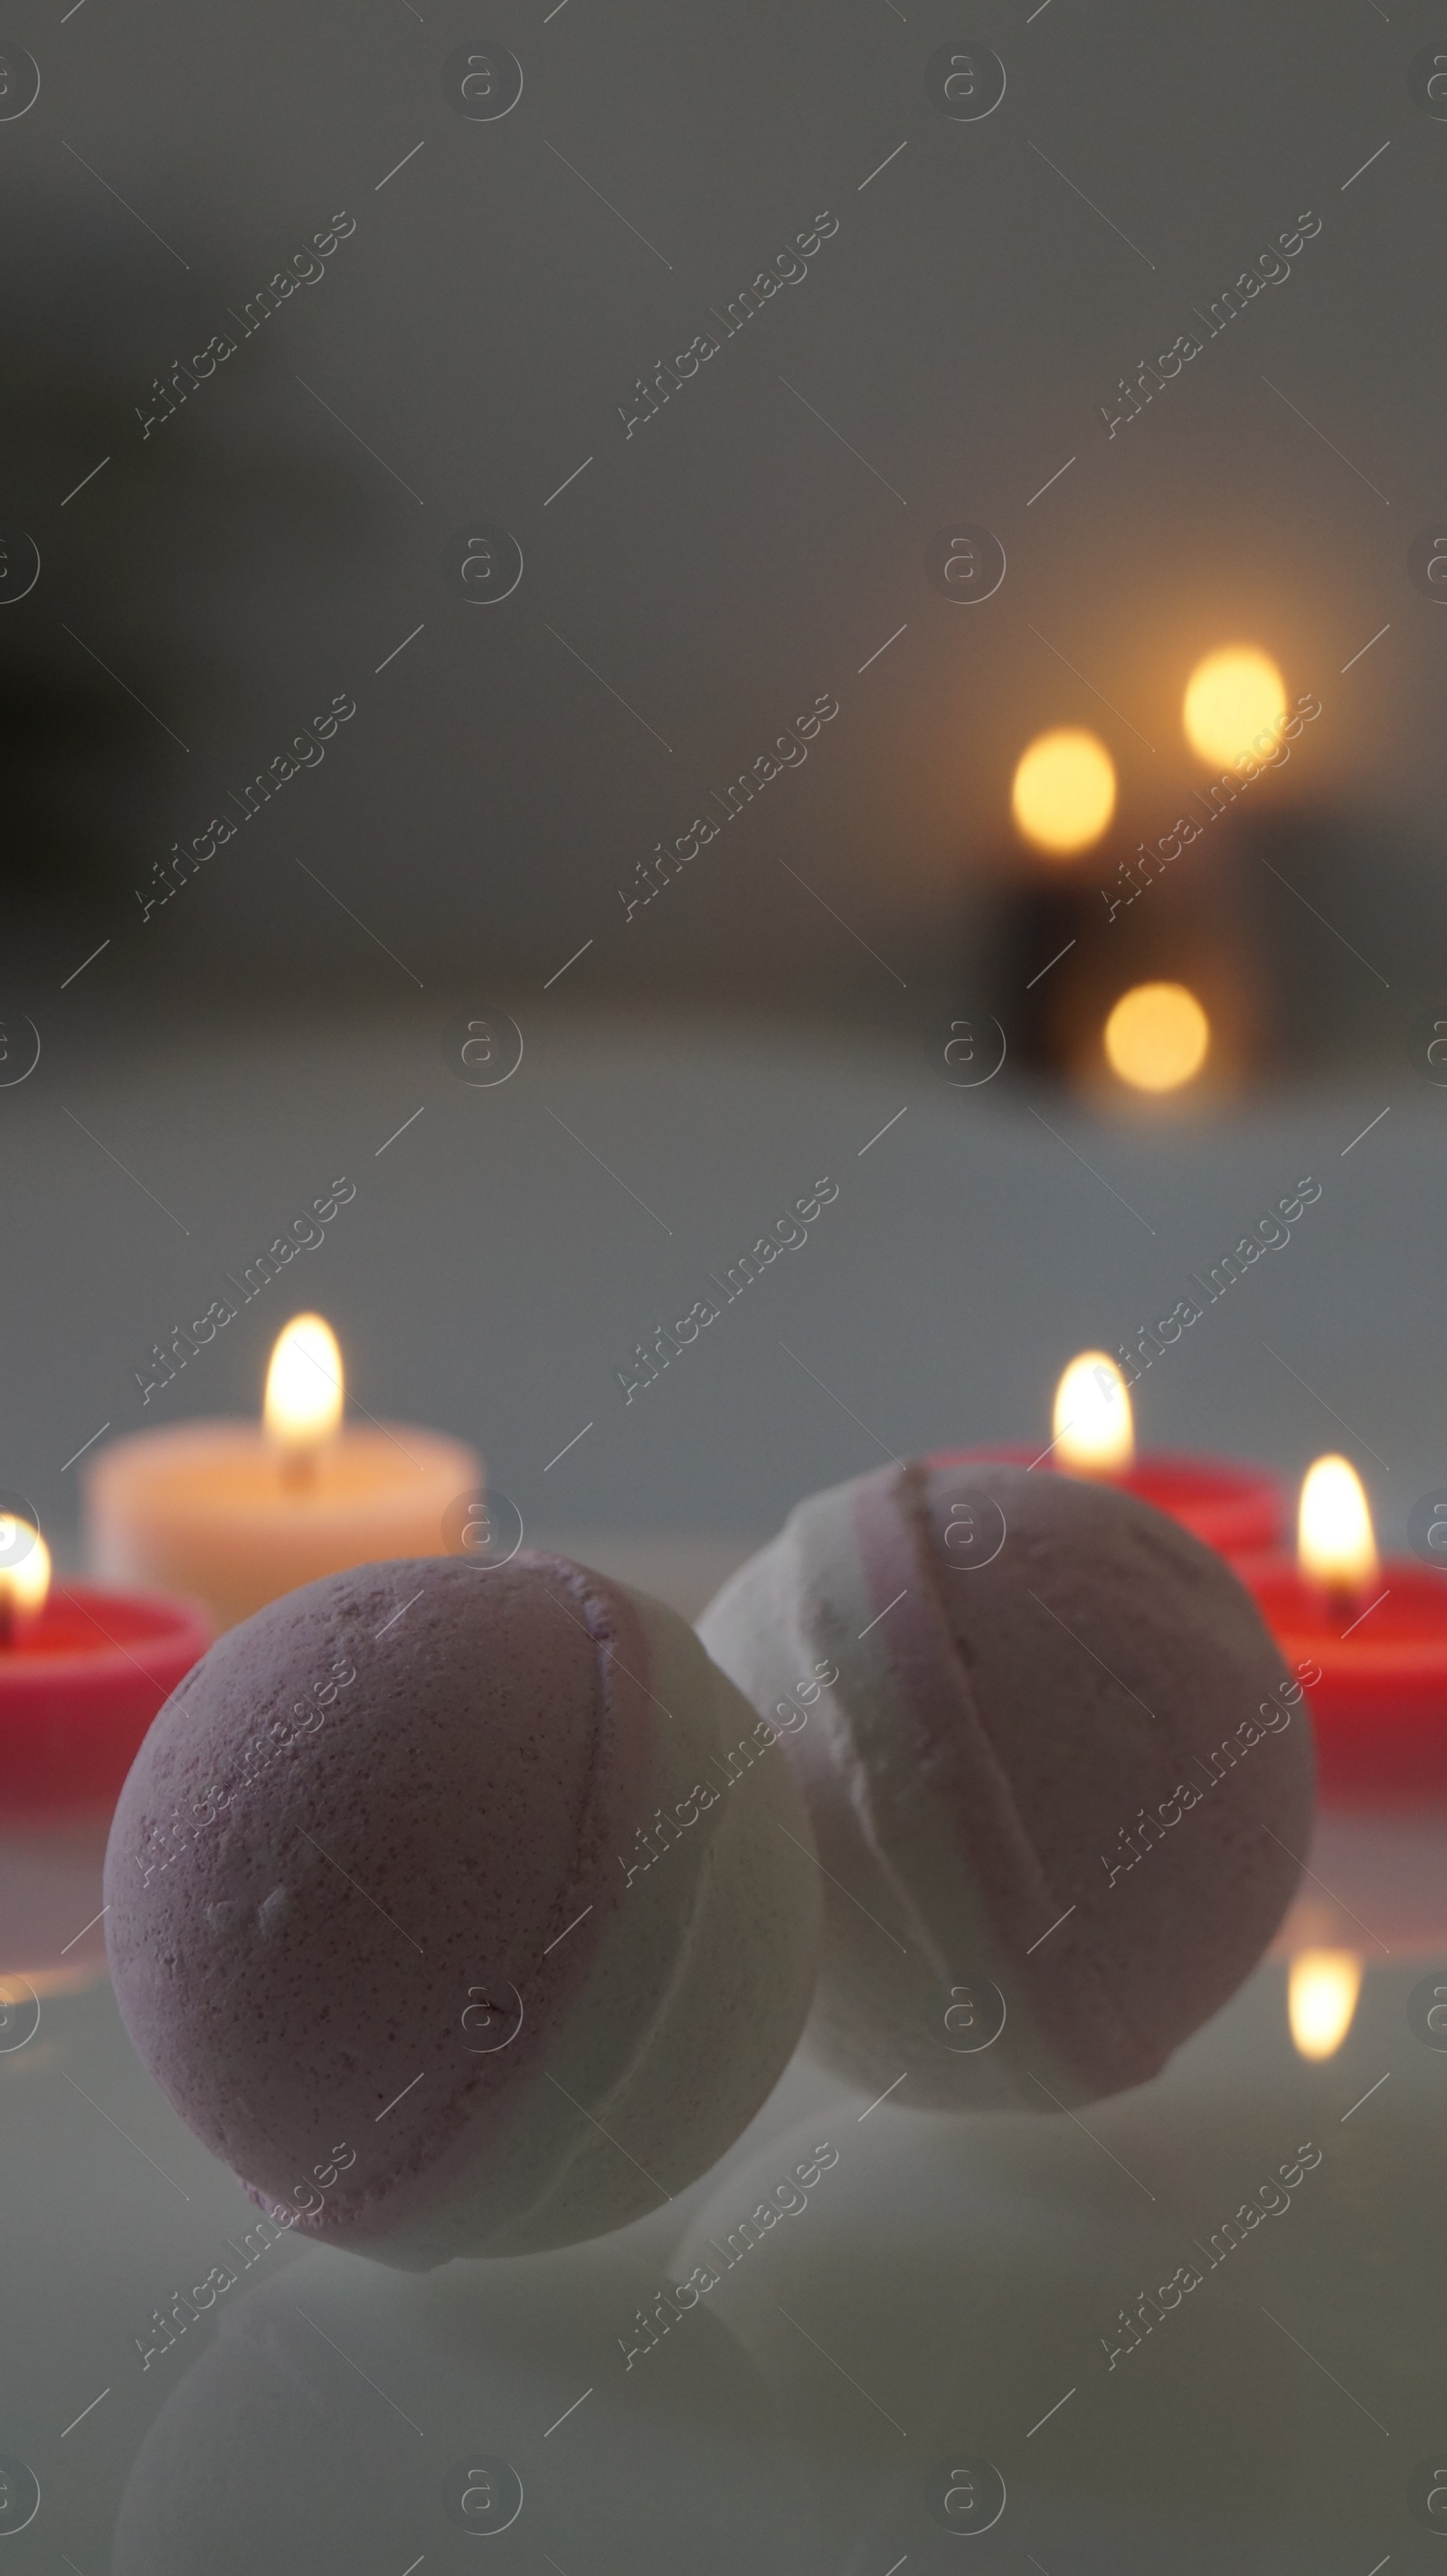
[
  {"x": 346, "y": 2418},
  {"x": 1200, "y": 2330}
]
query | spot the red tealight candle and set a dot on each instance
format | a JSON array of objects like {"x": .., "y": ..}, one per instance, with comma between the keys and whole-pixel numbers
[
  {"x": 1236, "y": 1509},
  {"x": 82, "y": 1674},
  {"x": 1376, "y": 1634}
]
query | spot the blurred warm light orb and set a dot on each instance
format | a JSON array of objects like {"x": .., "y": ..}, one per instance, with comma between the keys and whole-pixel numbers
[
  {"x": 1157, "y": 1037},
  {"x": 1064, "y": 790},
  {"x": 1093, "y": 1425},
  {"x": 1321, "y": 1998},
  {"x": 1335, "y": 1541},
  {"x": 1231, "y": 697}
]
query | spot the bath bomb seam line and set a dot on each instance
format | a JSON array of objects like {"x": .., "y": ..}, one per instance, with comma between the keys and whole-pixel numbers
[{"x": 911, "y": 1494}]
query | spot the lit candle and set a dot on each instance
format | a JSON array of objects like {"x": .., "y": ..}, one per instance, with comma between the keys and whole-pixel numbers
[
  {"x": 1092, "y": 1425},
  {"x": 1377, "y": 1635},
  {"x": 24, "y": 1577},
  {"x": 1321, "y": 1998},
  {"x": 1233, "y": 1508},
  {"x": 238, "y": 1512},
  {"x": 82, "y": 1674},
  {"x": 1062, "y": 800},
  {"x": 1336, "y": 1545},
  {"x": 304, "y": 1400}
]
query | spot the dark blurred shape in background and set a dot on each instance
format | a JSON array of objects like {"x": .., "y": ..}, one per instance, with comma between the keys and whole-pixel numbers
[{"x": 115, "y": 644}]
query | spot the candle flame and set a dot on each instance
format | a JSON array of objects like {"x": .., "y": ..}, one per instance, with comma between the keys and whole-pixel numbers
[
  {"x": 1335, "y": 1543},
  {"x": 1064, "y": 791},
  {"x": 305, "y": 1392},
  {"x": 24, "y": 1570},
  {"x": 1094, "y": 1432},
  {"x": 1322, "y": 1993},
  {"x": 1157, "y": 1037}
]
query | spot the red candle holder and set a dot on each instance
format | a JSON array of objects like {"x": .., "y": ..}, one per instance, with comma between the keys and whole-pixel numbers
[
  {"x": 1237, "y": 1509},
  {"x": 79, "y": 1684},
  {"x": 1379, "y": 1710}
]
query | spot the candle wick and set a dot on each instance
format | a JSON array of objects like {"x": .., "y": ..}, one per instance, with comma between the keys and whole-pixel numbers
[{"x": 7, "y": 1620}]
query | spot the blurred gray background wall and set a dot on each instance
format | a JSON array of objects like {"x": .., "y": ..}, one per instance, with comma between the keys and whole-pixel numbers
[{"x": 467, "y": 357}]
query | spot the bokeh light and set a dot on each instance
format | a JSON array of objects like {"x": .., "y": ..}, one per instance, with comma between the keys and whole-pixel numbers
[
  {"x": 1064, "y": 790},
  {"x": 1157, "y": 1037},
  {"x": 1231, "y": 697}
]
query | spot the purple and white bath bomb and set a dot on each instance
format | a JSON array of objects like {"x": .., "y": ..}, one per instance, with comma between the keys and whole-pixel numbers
[
  {"x": 1063, "y": 1783},
  {"x": 387, "y": 1926}
]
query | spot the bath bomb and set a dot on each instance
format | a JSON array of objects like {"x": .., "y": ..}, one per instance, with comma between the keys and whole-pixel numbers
[
  {"x": 1057, "y": 1775},
  {"x": 462, "y": 1911}
]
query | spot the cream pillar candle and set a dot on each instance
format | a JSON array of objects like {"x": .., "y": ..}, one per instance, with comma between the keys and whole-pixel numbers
[{"x": 234, "y": 1513}]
